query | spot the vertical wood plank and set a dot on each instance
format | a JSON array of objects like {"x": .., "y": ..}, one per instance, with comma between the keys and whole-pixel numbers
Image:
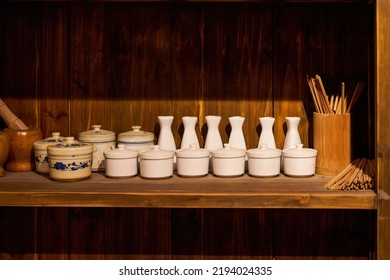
[
  {"x": 237, "y": 234},
  {"x": 323, "y": 234},
  {"x": 290, "y": 69},
  {"x": 18, "y": 66},
  {"x": 139, "y": 233},
  {"x": 53, "y": 58},
  {"x": 18, "y": 233},
  {"x": 382, "y": 85}
]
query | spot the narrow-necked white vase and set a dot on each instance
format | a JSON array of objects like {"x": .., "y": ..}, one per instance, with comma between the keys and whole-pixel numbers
[
  {"x": 166, "y": 141},
  {"x": 267, "y": 134},
  {"x": 236, "y": 138},
  {"x": 189, "y": 135},
  {"x": 213, "y": 140},
  {"x": 292, "y": 136}
]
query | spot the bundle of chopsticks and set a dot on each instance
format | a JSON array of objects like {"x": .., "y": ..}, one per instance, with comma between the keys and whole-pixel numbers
[
  {"x": 358, "y": 175},
  {"x": 339, "y": 103}
]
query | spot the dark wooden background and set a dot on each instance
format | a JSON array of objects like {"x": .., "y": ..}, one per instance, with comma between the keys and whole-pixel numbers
[{"x": 65, "y": 66}]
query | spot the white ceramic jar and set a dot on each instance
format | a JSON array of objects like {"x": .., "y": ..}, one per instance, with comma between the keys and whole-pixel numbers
[
  {"x": 228, "y": 161},
  {"x": 102, "y": 141},
  {"x": 264, "y": 161},
  {"x": 156, "y": 163},
  {"x": 40, "y": 151},
  {"x": 299, "y": 161},
  {"x": 193, "y": 161},
  {"x": 70, "y": 160},
  {"x": 121, "y": 162},
  {"x": 137, "y": 139}
]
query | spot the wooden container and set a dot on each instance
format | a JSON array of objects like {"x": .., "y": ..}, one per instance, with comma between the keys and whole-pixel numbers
[
  {"x": 4, "y": 148},
  {"x": 332, "y": 140},
  {"x": 21, "y": 149}
]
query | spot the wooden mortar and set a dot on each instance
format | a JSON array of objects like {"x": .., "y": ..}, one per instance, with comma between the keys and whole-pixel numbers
[
  {"x": 4, "y": 149},
  {"x": 21, "y": 148}
]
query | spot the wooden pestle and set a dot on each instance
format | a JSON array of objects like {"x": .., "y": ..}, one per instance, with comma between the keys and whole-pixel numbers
[{"x": 10, "y": 119}]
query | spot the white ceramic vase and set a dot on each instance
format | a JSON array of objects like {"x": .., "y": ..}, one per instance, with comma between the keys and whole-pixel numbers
[
  {"x": 267, "y": 135},
  {"x": 213, "y": 140},
  {"x": 166, "y": 141},
  {"x": 292, "y": 136},
  {"x": 236, "y": 138},
  {"x": 189, "y": 135}
]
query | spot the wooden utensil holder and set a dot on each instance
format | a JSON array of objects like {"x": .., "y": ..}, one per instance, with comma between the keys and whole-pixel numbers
[
  {"x": 332, "y": 140},
  {"x": 21, "y": 149}
]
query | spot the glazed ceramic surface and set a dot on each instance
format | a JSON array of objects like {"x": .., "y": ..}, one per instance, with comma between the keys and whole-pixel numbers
[
  {"x": 156, "y": 163},
  {"x": 189, "y": 135},
  {"x": 236, "y": 138},
  {"x": 228, "y": 161},
  {"x": 299, "y": 162},
  {"x": 292, "y": 136},
  {"x": 70, "y": 160},
  {"x": 137, "y": 139},
  {"x": 102, "y": 140},
  {"x": 40, "y": 151},
  {"x": 121, "y": 162},
  {"x": 267, "y": 134},
  {"x": 166, "y": 141},
  {"x": 264, "y": 161},
  {"x": 193, "y": 161},
  {"x": 213, "y": 138}
]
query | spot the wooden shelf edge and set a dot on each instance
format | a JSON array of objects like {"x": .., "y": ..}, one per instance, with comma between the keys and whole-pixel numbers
[{"x": 31, "y": 189}]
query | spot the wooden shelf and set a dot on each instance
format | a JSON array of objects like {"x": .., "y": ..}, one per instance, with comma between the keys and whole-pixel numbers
[{"x": 32, "y": 189}]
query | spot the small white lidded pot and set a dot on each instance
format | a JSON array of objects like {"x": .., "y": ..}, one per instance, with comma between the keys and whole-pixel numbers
[
  {"x": 264, "y": 161},
  {"x": 102, "y": 141},
  {"x": 70, "y": 160},
  {"x": 299, "y": 161},
  {"x": 228, "y": 161},
  {"x": 121, "y": 162},
  {"x": 137, "y": 139},
  {"x": 40, "y": 151},
  {"x": 156, "y": 163},
  {"x": 192, "y": 162}
]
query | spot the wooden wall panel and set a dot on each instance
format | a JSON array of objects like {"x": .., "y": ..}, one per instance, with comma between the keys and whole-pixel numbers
[
  {"x": 18, "y": 61},
  {"x": 323, "y": 234},
  {"x": 53, "y": 59},
  {"x": 290, "y": 69}
]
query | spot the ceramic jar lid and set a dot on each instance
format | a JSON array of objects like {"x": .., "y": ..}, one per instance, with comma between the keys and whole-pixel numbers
[
  {"x": 156, "y": 153},
  {"x": 97, "y": 135},
  {"x": 120, "y": 153},
  {"x": 70, "y": 146},
  {"x": 136, "y": 136},
  {"x": 193, "y": 152},
  {"x": 54, "y": 139},
  {"x": 228, "y": 152},
  {"x": 264, "y": 152},
  {"x": 300, "y": 152}
]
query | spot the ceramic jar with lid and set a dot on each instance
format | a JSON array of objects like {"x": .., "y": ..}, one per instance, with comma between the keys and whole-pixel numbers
[
  {"x": 137, "y": 139},
  {"x": 299, "y": 161},
  {"x": 121, "y": 162},
  {"x": 156, "y": 163},
  {"x": 228, "y": 161},
  {"x": 40, "y": 151},
  {"x": 264, "y": 161},
  {"x": 70, "y": 160},
  {"x": 102, "y": 141},
  {"x": 193, "y": 161}
]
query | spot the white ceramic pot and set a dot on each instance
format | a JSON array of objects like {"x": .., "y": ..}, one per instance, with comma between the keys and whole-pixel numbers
[
  {"x": 121, "y": 162},
  {"x": 299, "y": 161},
  {"x": 228, "y": 162},
  {"x": 192, "y": 162},
  {"x": 156, "y": 163},
  {"x": 264, "y": 161},
  {"x": 102, "y": 141},
  {"x": 40, "y": 151},
  {"x": 137, "y": 139},
  {"x": 70, "y": 160}
]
